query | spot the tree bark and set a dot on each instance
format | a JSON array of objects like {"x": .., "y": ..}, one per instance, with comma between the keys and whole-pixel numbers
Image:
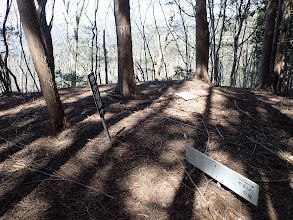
[
  {"x": 264, "y": 81},
  {"x": 280, "y": 56},
  {"x": 42, "y": 64},
  {"x": 45, "y": 31},
  {"x": 201, "y": 41},
  {"x": 272, "y": 75},
  {"x": 126, "y": 85}
]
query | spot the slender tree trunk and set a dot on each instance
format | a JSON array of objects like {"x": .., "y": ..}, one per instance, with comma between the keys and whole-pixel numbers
[
  {"x": 146, "y": 43},
  {"x": 73, "y": 58},
  {"x": 161, "y": 53},
  {"x": 185, "y": 30},
  {"x": 264, "y": 71},
  {"x": 160, "y": 44},
  {"x": 5, "y": 69},
  {"x": 126, "y": 85},
  {"x": 75, "y": 28},
  {"x": 216, "y": 68},
  {"x": 242, "y": 18},
  {"x": 93, "y": 36},
  {"x": 105, "y": 56},
  {"x": 161, "y": 58},
  {"x": 26, "y": 62},
  {"x": 97, "y": 70},
  {"x": 105, "y": 48},
  {"x": 41, "y": 61},
  {"x": 201, "y": 41},
  {"x": 213, "y": 41}
]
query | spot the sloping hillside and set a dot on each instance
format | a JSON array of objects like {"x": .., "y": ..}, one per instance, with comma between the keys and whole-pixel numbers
[{"x": 142, "y": 173}]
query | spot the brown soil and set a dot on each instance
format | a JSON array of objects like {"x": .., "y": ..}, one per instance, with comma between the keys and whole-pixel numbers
[{"x": 143, "y": 173}]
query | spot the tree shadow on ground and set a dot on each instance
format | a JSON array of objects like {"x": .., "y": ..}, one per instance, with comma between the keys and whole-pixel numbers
[
  {"x": 37, "y": 178},
  {"x": 141, "y": 173},
  {"x": 256, "y": 153}
]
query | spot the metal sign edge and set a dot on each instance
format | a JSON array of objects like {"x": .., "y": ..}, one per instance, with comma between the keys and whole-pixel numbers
[{"x": 217, "y": 165}]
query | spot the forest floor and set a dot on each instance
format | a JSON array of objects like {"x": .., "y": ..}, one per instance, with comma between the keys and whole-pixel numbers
[{"x": 142, "y": 173}]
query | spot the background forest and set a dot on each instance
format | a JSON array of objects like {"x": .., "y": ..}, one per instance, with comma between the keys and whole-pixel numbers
[{"x": 164, "y": 42}]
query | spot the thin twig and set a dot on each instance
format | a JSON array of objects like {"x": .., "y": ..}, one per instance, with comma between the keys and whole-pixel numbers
[
  {"x": 253, "y": 150},
  {"x": 219, "y": 133},
  {"x": 177, "y": 122},
  {"x": 243, "y": 111},
  {"x": 195, "y": 186},
  {"x": 208, "y": 133},
  {"x": 248, "y": 164},
  {"x": 87, "y": 208},
  {"x": 73, "y": 181},
  {"x": 268, "y": 149}
]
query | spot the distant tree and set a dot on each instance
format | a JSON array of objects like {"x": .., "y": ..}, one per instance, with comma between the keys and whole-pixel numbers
[
  {"x": 42, "y": 62},
  {"x": 24, "y": 57},
  {"x": 75, "y": 27},
  {"x": 216, "y": 45},
  {"x": 104, "y": 47},
  {"x": 242, "y": 13},
  {"x": 162, "y": 50},
  {"x": 5, "y": 72},
  {"x": 141, "y": 26},
  {"x": 264, "y": 78},
  {"x": 126, "y": 85},
  {"x": 202, "y": 43}
]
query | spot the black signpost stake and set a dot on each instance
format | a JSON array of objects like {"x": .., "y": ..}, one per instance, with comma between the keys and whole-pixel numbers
[{"x": 98, "y": 101}]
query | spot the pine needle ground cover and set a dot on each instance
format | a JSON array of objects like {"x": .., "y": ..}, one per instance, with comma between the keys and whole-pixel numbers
[{"x": 142, "y": 173}]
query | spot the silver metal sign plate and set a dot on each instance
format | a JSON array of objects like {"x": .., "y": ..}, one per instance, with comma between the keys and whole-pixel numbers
[{"x": 244, "y": 187}]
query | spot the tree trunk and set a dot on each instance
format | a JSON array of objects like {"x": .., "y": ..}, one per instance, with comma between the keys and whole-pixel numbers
[
  {"x": 213, "y": 42},
  {"x": 105, "y": 56},
  {"x": 45, "y": 31},
  {"x": 75, "y": 28},
  {"x": 162, "y": 52},
  {"x": 201, "y": 41},
  {"x": 275, "y": 44},
  {"x": 126, "y": 85},
  {"x": 242, "y": 17},
  {"x": 280, "y": 56},
  {"x": 264, "y": 81},
  {"x": 4, "y": 66},
  {"x": 216, "y": 73},
  {"x": 161, "y": 59},
  {"x": 4, "y": 77},
  {"x": 105, "y": 48},
  {"x": 41, "y": 61},
  {"x": 26, "y": 62},
  {"x": 73, "y": 59}
]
